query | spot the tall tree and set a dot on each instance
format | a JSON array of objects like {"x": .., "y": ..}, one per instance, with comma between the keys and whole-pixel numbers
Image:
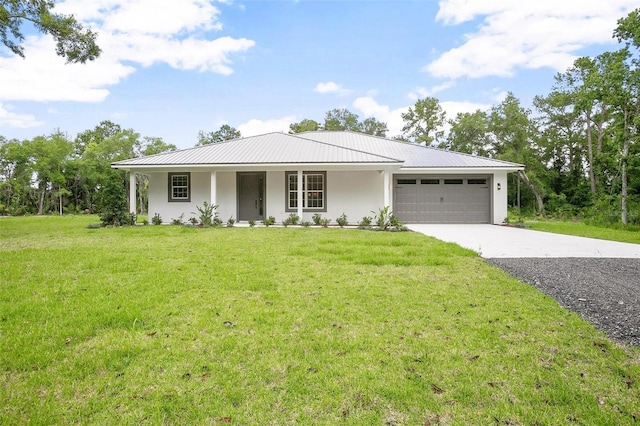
[
  {"x": 424, "y": 122},
  {"x": 305, "y": 125},
  {"x": 469, "y": 133},
  {"x": 514, "y": 139},
  {"x": 372, "y": 126},
  {"x": 73, "y": 42},
  {"x": 225, "y": 133},
  {"x": 341, "y": 119}
]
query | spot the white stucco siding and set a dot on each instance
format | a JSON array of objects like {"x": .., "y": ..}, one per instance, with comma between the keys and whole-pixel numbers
[
  {"x": 159, "y": 195},
  {"x": 499, "y": 197},
  {"x": 226, "y": 194},
  {"x": 354, "y": 193}
]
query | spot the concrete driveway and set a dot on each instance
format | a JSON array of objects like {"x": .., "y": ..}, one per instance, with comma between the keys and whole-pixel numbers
[{"x": 495, "y": 241}]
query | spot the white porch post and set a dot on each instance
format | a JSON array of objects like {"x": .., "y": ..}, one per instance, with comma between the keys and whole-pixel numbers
[
  {"x": 300, "y": 193},
  {"x": 214, "y": 188},
  {"x": 132, "y": 193},
  {"x": 386, "y": 178}
]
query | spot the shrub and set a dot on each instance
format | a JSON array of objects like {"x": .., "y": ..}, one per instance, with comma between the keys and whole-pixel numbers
[
  {"x": 306, "y": 223},
  {"x": 207, "y": 215},
  {"x": 385, "y": 220},
  {"x": 317, "y": 217},
  {"x": 324, "y": 222},
  {"x": 112, "y": 202},
  {"x": 342, "y": 220},
  {"x": 252, "y": 223},
  {"x": 145, "y": 222},
  {"x": 156, "y": 219},
  {"x": 269, "y": 221},
  {"x": 177, "y": 221},
  {"x": 230, "y": 222},
  {"x": 365, "y": 223},
  {"x": 293, "y": 219}
]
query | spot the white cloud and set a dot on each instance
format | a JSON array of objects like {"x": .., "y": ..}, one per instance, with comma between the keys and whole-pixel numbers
[
  {"x": 512, "y": 35},
  {"x": 255, "y": 126},
  {"x": 423, "y": 92},
  {"x": 131, "y": 33},
  {"x": 331, "y": 87},
  {"x": 12, "y": 119},
  {"x": 369, "y": 107}
]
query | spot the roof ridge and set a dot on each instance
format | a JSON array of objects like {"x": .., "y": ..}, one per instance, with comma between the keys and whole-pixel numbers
[{"x": 347, "y": 148}]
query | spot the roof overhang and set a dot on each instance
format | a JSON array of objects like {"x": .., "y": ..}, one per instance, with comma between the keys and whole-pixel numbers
[{"x": 150, "y": 168}]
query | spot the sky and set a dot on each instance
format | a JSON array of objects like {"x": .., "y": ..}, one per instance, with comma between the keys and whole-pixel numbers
[{"x": 172, "y": 68}]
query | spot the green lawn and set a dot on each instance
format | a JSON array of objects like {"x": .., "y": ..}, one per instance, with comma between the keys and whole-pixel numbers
[
  {"x": 172, "y": 325},
  {"x": 629, "y": 235}
]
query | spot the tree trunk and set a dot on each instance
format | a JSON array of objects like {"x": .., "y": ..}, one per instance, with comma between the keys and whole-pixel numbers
[
  {"x": 523, "y": 176},
  {"x": 592, "y": 178}
]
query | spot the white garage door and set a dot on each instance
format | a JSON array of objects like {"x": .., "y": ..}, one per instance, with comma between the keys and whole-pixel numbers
[{"x": 450, "y": 199}]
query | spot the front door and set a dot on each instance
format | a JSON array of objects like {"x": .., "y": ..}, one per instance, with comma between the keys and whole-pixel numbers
[{"x": 251, "y": 195}]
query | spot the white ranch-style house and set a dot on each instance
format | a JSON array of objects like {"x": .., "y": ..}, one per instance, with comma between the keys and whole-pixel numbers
[{"x": 324, "y": 172}]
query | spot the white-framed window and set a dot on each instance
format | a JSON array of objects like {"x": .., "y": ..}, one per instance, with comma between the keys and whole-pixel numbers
[
  {"x": 180, "y": 187},
  {"x": 314, "y": 191}
]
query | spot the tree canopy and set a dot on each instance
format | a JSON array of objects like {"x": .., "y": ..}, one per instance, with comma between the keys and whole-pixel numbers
[
  {"x": 225, "y": 133},
  {"x": 73, "y": 42}
]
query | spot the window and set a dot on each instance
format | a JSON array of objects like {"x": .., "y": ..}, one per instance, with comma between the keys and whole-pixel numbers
[
  {"x": 477, "y": 181},
  {"x": 453, "y": 181},
  {"x": 179, "y": 187},
  {"x": 313, "y": 191},
  {"x": 430, "y": 181},
  {"x": 406, "y": 181}
]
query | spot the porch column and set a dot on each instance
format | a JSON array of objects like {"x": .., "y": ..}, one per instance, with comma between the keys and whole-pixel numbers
[
  {"x": 132, "y": 193},
  {"x": 214, "y": 189},
  {"x": 300, "y": 194},
  {"x": 386, "y": 178}
]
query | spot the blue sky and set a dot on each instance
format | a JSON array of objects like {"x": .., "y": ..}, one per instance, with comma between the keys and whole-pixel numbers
[{"x": 171, "y": 68}]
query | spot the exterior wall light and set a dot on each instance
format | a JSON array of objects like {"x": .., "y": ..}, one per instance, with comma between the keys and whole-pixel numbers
[{"x": 499, "y": 186}]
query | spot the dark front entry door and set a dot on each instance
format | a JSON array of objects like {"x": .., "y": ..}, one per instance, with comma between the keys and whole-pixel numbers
[{"x": 251, "y": 196}]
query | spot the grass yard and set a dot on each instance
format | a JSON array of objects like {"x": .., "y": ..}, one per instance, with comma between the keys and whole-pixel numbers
[
  {"x": 629, "y": 235},
  {"x": 172, "y": 325}
]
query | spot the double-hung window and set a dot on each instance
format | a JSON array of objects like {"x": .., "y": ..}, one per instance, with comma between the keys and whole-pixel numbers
[
  {"x": 313, "y": 191},
  {"x": 180, "y": 187}
]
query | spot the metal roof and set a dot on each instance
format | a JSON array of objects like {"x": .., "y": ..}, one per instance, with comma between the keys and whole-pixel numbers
[
  {"x": 413, "y": 155},
  {"x": 317, "y": 148},
  {"x": 272, "y": 148}
]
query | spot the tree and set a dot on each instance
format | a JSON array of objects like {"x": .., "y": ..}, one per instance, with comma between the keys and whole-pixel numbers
[
  {"x": 372, "y": 126},
  {"x": 225, "y": 133},
  {"x": 73, "y": 42},
  {"x": 341, "y": 119},
  {"x": 469, "y": 134},
  {"x": 514, "y": 136},
  {"x": 305, "y": 125},
  {"x": 424, "y": 122}
]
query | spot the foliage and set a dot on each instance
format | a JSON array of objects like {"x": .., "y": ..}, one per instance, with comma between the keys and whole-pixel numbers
[
  {"x": 113, "y": 204},
  {"x": 317, "y": 217},
  {"x": 424, "y": 122},
  {"x": 252, "y": 223},
  {"x": 385, "y": 220},
  {"x": 342, "y": 220},
  {"x": 305, "y": 224},
  {"x": 73, "y": 42},
  {"x": 178, "y": 221},
  {"x": 225, "y": 133},
  {"x": 292, "y": 219},
  {"x": 138, "y": 325},
  {"x": 365, "y": 223},
  {"x": 156, "y": 219},
  {"x": 207, "y": 215},
  {"x": 230, "y": 222},
  {"x": 305, "y": 125},
  {"x": 324, "y": 222},
  {"x": 269, "y": 221}
]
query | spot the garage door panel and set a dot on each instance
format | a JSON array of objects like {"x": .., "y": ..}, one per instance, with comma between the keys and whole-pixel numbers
[{"x": 453, "y": 199}]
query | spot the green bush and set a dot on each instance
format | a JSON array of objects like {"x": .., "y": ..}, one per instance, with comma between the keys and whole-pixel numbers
[
  {"x": 156, "y": 219},
  {"x": 317, "y": 217},
  {"x": 269, "y": 221},
  {"x": 342, "y": 220},
  {"x": 207, "y": 215},
  {"x": 112, "y": 204}
]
